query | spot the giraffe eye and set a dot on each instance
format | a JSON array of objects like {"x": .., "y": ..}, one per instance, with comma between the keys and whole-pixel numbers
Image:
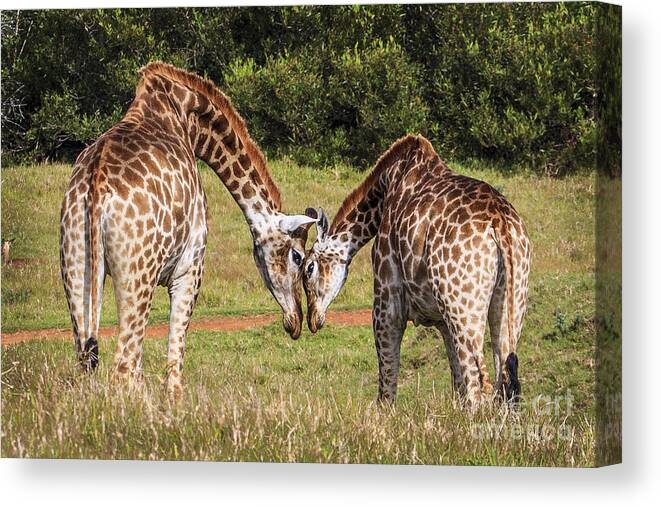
[
  {"x": 296, "y": 257},
  {"x": 310, "y": 269}
]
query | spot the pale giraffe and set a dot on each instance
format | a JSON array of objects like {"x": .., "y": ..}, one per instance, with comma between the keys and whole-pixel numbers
[
  {"x": 135, "y": 210},
  {"x": 450, "y": 252}
]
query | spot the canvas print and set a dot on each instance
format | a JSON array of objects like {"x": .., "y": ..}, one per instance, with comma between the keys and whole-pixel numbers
[{"x": 326, "y": 234}]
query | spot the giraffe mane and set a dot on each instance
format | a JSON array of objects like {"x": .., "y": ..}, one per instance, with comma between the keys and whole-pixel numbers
[
  {"x": 396, "y": 151},
  {"x": 209, "y": 89}
]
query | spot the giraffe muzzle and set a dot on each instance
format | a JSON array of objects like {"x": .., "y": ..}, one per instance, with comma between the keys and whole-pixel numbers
[
  {"x": 292, "y": 325},
  {"x": 315, "y": 321}
]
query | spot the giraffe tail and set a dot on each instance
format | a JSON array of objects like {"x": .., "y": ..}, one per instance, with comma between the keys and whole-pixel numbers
[
  {"x": 506, "y": 245},
  {"x": 90, "y": 358},
  {"x": 513, "y": 388}
]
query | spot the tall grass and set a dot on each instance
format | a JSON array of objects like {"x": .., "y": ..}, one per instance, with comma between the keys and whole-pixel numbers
[{"x": 255, "y": 396}]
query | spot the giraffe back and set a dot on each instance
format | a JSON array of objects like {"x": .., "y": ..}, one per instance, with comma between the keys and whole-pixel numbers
[{"x": 443, "y": 232}]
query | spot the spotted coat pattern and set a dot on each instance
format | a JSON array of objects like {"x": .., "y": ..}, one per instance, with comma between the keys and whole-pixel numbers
[
  {"x": 449, "y": 252},
  {"x": 135, "y": 210}
]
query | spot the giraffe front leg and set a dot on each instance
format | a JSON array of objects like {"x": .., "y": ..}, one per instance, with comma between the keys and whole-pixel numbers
[{"x": 183, "y": 294}]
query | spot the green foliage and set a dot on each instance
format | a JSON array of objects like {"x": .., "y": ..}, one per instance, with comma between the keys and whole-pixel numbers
[
  {"x": 13, "y": 297},
  {"x": 284, "y": 102},
  {"x": 535, "y": 85},
  {"x": 609, "y": 89},
  {"x": 375, "y": 97},
  {"x": 59, "y": 124},
  {"x": 512, "y": 82},
  {"x": 562, "y": 327},
  {"x": 345, "y": 107}
]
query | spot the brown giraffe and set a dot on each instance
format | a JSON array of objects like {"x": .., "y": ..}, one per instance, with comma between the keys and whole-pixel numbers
[
  {"x": 135, "y": 210},
  {"x": 450, "y": 252}
]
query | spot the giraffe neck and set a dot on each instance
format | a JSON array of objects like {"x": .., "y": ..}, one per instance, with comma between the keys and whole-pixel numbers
[
  {"x": 359, "y": 217},
  {"x": 354, "y": 227},
  {"x": 194, "y": 110},
  {"x": 239, "y": 165}
]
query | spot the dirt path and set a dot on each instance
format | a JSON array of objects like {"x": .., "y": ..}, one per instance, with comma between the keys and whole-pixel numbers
[{"x": 340, "y": 318}]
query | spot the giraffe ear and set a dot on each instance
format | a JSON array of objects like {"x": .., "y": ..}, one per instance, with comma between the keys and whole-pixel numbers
[
  {"x": 322, "y": 225},
  {"x": 291, "y": 223},
  {"x": 312, "y": 213}
]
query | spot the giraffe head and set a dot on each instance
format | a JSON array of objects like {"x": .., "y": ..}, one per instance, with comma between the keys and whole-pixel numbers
[
  {"x": 279, "y": 252},
  {"x": 324, "y": 272}
]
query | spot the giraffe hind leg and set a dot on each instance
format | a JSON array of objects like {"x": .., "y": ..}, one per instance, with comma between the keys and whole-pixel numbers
[
  {"x": 75, "y": 276},
  {"x": 133, "y": 297},
  {"x": 506, "y": 361},
  {"x": 183, "y": 294},
  {"x": 464, "y": 340},
  {"x": 451, "y": 351}
]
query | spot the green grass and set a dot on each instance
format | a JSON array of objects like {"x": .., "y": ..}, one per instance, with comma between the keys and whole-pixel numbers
[
  {"x": 559, "y": 215},
  {"x": 257, "y": 395}
]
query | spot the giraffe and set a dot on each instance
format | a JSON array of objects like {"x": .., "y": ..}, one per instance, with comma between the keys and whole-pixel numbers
[
  {"x": 135, "y": 210},
  {"x": 450, "y": 252}
]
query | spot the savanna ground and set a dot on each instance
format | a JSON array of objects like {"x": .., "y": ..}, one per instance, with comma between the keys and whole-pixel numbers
[{"x": 257, "y": 395}]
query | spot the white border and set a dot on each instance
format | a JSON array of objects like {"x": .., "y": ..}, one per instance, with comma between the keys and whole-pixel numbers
[{"x": 88, "y": 483}]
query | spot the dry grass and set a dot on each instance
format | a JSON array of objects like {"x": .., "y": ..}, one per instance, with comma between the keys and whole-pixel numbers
[{"x": 255, "y": 396}]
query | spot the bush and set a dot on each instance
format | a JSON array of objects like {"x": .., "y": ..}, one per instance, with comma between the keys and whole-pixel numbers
[
  {"x": 375, "y": 97},
  {"x": 520, "y": 84},
  {"x": 284, "y": 102},
  {"x": 321, "y": 109},
  {"x": 512, "y": 82},
  {"x": 59, "y": 127}
]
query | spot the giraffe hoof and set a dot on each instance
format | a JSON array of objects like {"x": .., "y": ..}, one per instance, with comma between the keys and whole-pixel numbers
[
  {"x": 292, "y": 324},
  {"x": 91, "y": 354},
  {"x": 385, "y": 402},
  {"x": 315, "y": 323}
]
